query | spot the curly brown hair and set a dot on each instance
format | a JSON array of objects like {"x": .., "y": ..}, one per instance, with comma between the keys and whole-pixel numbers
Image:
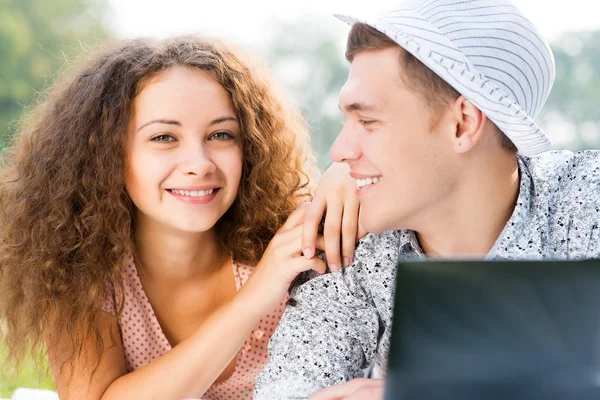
[{"x": 66, "y": 225}]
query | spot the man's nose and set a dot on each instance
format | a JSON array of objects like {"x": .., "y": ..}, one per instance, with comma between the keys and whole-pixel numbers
[{"x": 345, "y": 147}]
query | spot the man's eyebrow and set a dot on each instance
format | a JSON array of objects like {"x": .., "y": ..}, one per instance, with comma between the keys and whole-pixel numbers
[
  {"x": 358, "y": 107},
  {"x": 160, "y": 121}
]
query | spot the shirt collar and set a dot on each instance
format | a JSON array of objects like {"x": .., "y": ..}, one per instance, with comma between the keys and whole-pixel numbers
[
  {"x": 409, "y": 244},
  {"x": 522, "y": 214}
]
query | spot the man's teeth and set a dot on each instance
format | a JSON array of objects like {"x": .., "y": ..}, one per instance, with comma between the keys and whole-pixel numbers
[
  {"x": 360, "y": 183},
  {"x": 193, "y": 193}
]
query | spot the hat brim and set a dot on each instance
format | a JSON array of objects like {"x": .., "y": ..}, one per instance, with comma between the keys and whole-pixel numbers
[{"x": 500, "y": 108}]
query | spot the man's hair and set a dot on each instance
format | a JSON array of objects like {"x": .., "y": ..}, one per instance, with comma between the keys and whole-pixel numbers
[{"x": 420, "y": 79}]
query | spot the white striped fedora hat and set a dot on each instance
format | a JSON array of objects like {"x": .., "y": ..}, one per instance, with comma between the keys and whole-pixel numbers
[{"x": 487, "y": 50}]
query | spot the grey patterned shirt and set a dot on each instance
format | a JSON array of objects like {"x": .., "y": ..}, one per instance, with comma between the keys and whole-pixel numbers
[{"x": 340, "y": 324}]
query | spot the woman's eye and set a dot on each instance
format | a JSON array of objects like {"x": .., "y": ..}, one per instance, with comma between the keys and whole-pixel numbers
[
  {"x": 165, "y": 138},
  {"x": 221, "y": 135},
  {"x": 364, "y": 122}
]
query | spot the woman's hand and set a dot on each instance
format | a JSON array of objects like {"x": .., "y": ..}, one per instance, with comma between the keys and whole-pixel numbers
[
  {"x": 280, "y": 265},
  {"x": 336, "y": 199}
]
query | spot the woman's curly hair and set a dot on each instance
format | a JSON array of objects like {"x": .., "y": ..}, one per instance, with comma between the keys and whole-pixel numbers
[{"x": 66, "y": 220}]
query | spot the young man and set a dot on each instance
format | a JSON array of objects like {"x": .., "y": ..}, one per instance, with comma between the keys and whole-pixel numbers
[{"x": 439, "y": 134}]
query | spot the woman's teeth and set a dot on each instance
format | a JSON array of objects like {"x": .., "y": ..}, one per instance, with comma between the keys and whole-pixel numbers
[
  {"x": 360, "y": 183},
  {"x": 193, "y": 193}
]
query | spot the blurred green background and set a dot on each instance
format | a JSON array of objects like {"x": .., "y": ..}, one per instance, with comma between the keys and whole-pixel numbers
[{"x": 37, "y": 37}]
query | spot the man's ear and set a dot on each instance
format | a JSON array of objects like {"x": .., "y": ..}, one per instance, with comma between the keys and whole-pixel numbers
[{"x": 469, "y": 123}]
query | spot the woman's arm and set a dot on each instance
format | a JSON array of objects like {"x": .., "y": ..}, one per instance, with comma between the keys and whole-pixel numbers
[
  {"x": 191, "y": 367},
  {"x": 188, "y": 370},
  {"x": 73, "y": 378}
]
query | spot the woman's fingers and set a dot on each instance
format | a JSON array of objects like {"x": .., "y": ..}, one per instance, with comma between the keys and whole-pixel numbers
[
  {"x": 349, "y": 230},
  {"x": 296, "y": 218},
  {"x": 303, "y": 264},
  {"x": 312, "y": 225},
  {"x": 332, "y": 234},
  {"x": 289, "y": 243}
]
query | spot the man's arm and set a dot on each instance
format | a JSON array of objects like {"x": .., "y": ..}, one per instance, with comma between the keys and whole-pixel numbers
[
  {"x": 328, "y": 335},
  {"x": 332, "y": 328}
]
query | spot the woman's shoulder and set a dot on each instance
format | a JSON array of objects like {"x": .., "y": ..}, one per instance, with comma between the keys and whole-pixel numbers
[
  {"x": 241, "y": 273},
  {"x": 132, "y": 289}
]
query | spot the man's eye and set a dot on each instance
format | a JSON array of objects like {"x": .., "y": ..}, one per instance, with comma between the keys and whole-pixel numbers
[
  {"x": 165, "y": 138},
  {"x": 221, "y": 135},
  {"x": 365, "y": 122}
]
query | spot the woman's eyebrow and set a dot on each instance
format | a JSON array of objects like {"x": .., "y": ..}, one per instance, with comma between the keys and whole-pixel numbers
[
  {"x": 160, "y": 121},
  {"x": 222, "y": 119},
  {"x": 177, "y": 123}
]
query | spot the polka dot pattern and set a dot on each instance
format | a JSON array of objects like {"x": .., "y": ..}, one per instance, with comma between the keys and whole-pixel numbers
[{"x": 144, "y": 341}]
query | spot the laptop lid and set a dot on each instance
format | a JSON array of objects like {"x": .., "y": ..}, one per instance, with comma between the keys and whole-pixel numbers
[{"x": 495, "y": 330}]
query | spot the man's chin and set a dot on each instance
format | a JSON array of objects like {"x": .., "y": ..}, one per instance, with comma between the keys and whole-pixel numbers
[{"x": 375, "y": 223}]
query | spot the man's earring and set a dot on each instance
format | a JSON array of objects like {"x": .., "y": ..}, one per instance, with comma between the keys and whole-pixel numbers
[{"x": 459, "y": 144}]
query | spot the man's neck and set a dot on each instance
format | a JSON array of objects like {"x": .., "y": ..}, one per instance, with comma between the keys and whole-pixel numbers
[
  {"x": 469, "y": 221},
  {"x": 168, "y": 255}
]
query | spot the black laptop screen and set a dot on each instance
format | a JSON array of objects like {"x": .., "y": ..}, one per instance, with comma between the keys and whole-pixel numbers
[{"x": 471, "y": 330}]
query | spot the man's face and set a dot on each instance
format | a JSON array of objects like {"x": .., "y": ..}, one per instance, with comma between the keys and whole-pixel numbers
[{"x": 401, "y": 161}]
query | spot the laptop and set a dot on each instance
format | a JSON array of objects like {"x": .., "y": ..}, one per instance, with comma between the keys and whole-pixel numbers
[{"x": 519, "y": 330}]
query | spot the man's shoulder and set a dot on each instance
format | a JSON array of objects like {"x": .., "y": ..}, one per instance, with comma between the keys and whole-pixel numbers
[
  {"x": 565, "y": 202},
  {"x": 376, "y": 247},
  {"x": 564, "y": 176},
  {"x": 375, "y": 255},
  {"x": 565, "y": 167}
]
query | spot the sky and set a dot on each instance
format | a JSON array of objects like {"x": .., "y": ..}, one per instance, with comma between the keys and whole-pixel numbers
[{"x": 247, "y": 21}]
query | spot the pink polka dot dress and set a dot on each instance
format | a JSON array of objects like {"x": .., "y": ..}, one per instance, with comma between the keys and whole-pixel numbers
[{"x": 144, "y": 340}]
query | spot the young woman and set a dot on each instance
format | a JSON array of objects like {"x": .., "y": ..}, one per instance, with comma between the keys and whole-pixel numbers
[{"x": 143, "y": 230}]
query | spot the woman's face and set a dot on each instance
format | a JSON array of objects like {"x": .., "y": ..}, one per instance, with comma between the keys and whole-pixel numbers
[{"x": 184, "y": 158}]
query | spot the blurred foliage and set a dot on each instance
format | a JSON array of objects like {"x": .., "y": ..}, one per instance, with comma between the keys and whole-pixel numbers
[
  {"x": 307, "y": 56},
  {"x": 36, "y": 37},
  {"x": 28, "y": 377},
  {"x": 571, "y": 115}
]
